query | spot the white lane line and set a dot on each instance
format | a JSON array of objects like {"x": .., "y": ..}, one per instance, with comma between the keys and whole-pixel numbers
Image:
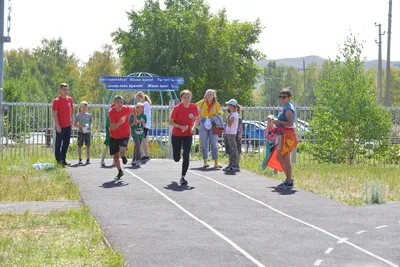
[
  {"x": 341, "y": 241},
  {"x": 300, "y": 221},
  {"x": 230, "y": 242},
  {"x": 380, "y": 227},
  {"x": 329, "y": 250},
  {"x": 318, "y": 262},
  {"x": 361, "y": 232}
]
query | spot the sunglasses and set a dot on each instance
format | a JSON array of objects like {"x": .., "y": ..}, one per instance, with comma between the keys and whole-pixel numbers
[{"x": 283, "y": 96}]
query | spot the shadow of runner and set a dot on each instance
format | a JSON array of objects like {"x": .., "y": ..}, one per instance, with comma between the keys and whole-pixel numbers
[
  {"x": 174, "y": 186},
  {"x": 107, "y": 166},
  {"x": 209, "y": 169},
  {"x": 282, "y": 191},
  {"x": 113, "y": 184}
]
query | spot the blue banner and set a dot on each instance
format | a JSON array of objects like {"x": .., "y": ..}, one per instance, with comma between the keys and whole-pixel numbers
[
  {"x": 141, "y": 86},
  {"x": 137, "y": 80}
]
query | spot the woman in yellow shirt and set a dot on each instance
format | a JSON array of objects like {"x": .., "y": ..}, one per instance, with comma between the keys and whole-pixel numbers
[{"x": 209, "y": 107}]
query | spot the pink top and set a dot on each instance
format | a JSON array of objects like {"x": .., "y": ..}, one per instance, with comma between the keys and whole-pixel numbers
[{"x": 270, "y": 134}]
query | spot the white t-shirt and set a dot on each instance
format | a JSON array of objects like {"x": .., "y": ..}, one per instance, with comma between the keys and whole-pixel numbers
[
  {"x": 147, "y": 112},
  {"x": 233, "y": 128}
]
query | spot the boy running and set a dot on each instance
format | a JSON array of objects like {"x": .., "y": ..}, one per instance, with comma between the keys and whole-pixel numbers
[{"x": 119, "y": 132}]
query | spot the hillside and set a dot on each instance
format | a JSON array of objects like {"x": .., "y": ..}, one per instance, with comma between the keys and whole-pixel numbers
[{"x": 298, "y": 62}]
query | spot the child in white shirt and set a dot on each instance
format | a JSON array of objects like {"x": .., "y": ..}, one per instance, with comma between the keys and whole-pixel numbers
[{"x": 230, "y": 135}]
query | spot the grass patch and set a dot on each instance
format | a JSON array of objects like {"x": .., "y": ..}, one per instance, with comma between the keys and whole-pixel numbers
[
  {"x": 68, "y": 238},
  {"x": 20, "y": 182},
  {"x": 351, "y": 184}
]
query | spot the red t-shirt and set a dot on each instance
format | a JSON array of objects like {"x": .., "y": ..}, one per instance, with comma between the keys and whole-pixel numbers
[
  {"x": 184, "y": 116},
  {"x": 64, "y": 107},
  {"x": 124, "y": 130}
]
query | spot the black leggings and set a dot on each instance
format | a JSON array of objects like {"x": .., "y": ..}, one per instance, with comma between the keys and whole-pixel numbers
[{"x": 177, "y": 143}]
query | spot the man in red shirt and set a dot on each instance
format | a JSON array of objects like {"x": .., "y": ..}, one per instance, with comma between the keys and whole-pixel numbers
[
  {"x": 184, "y": 118},
  {"x": 63, "y": 108},
  {"x": 120, "y": 131}
]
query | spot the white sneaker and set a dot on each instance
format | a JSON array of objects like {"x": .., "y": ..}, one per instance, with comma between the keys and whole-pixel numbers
[{"x": 138, "y": 163}]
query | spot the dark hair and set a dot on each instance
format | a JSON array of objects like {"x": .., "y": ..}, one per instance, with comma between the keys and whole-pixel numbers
[{"x": 286, "y": 91}]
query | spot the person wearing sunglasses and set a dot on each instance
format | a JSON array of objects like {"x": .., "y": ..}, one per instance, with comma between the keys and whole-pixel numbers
[{"x": 287, "y": 139}]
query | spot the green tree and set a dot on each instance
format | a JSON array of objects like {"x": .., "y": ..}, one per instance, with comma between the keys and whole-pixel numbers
[
  {"x": 277, "y": 77},
  {"x": 394, "y": 86},
  {"x": 186, "y": 39},
  {"x": 56, "y": 66},
  {"x": 100, "y": 63},
  {"x": 21, "y": 77},
  {"x": 346, "y": 114}
]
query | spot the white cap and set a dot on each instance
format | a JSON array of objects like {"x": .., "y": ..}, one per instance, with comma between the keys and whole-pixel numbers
[
  {"x": 270, "y": 116},
  {"x": 232, "y": 102},
  {"x": 84, "y": 103}
]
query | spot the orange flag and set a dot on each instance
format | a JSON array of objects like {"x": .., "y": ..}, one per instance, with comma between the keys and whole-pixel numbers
[{"x": 273, "y": 162}]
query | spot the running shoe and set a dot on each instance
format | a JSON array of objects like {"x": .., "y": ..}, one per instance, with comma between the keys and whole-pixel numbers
[
  {"x": 285, "y": 184},
  {"x": 119, "y": 175},
  {"x": 183, "y": 181}
]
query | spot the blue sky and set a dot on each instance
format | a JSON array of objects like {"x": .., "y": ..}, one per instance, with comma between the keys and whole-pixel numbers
[{"x": 293, "y": 28}]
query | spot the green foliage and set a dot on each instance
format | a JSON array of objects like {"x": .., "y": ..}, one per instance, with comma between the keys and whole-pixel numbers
[
  {"x": 101, "y": 63},
  {"x": 35, "y": 75},
  {"x": 186, "y": 40},
  {"x": 373, "y": 193},
  {"x": 346, "y": 114},
  {"x": 276, "y": 77}
]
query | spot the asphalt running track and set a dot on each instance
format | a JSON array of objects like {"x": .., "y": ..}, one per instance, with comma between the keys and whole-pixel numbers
[{"x": 232, "y": 220}]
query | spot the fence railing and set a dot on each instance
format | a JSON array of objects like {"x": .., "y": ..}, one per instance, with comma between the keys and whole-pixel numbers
[{"x": 29, "y": 130}]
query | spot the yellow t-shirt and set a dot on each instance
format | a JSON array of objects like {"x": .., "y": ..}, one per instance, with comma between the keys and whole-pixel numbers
[{"x": 215, "y": 110}]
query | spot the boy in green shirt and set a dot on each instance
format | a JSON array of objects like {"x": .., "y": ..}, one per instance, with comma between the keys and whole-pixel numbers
[{"x": 137, "y": 132}]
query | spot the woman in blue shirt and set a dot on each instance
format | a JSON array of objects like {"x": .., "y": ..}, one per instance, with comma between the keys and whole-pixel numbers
[{"x": 287, "y": 139}]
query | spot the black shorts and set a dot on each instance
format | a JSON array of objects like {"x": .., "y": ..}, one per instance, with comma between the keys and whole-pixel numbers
[
  {"x": 84, "y": 138},
  {"x": 145, "y": 131},
  {"x": 115, "y": 144}
]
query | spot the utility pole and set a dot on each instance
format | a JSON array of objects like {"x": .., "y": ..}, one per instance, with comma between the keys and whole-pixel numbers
[
  {"x": 304, "y": 77},
  {"x": 389, "y": 33},
  {"x": 379, "y": 63},
  {"x": 3, "y": 40}
]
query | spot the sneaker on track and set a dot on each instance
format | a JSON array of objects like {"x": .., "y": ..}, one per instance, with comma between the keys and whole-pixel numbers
[
  {"x": 285, "y": 184},
  {"x": 119, "y": 175},
  {"x": 183, "y": 181}
]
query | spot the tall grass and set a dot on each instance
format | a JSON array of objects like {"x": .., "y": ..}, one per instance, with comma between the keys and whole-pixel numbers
[
  {"x": 351, "y": 184},
  {"x": 19, "y": 181},
  {"x": 68, "y": 238}
]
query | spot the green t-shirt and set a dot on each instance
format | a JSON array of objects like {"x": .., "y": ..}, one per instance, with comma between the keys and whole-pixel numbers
[
  {"x": 137, "y": 129},
  {"x": 107, "y": 141}
]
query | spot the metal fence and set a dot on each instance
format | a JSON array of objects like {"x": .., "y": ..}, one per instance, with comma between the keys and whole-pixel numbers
[{"x": 29, "y": 130}]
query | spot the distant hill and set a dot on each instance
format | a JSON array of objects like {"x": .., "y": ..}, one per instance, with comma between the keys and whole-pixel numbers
[{"x": 298, "y": 62}]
